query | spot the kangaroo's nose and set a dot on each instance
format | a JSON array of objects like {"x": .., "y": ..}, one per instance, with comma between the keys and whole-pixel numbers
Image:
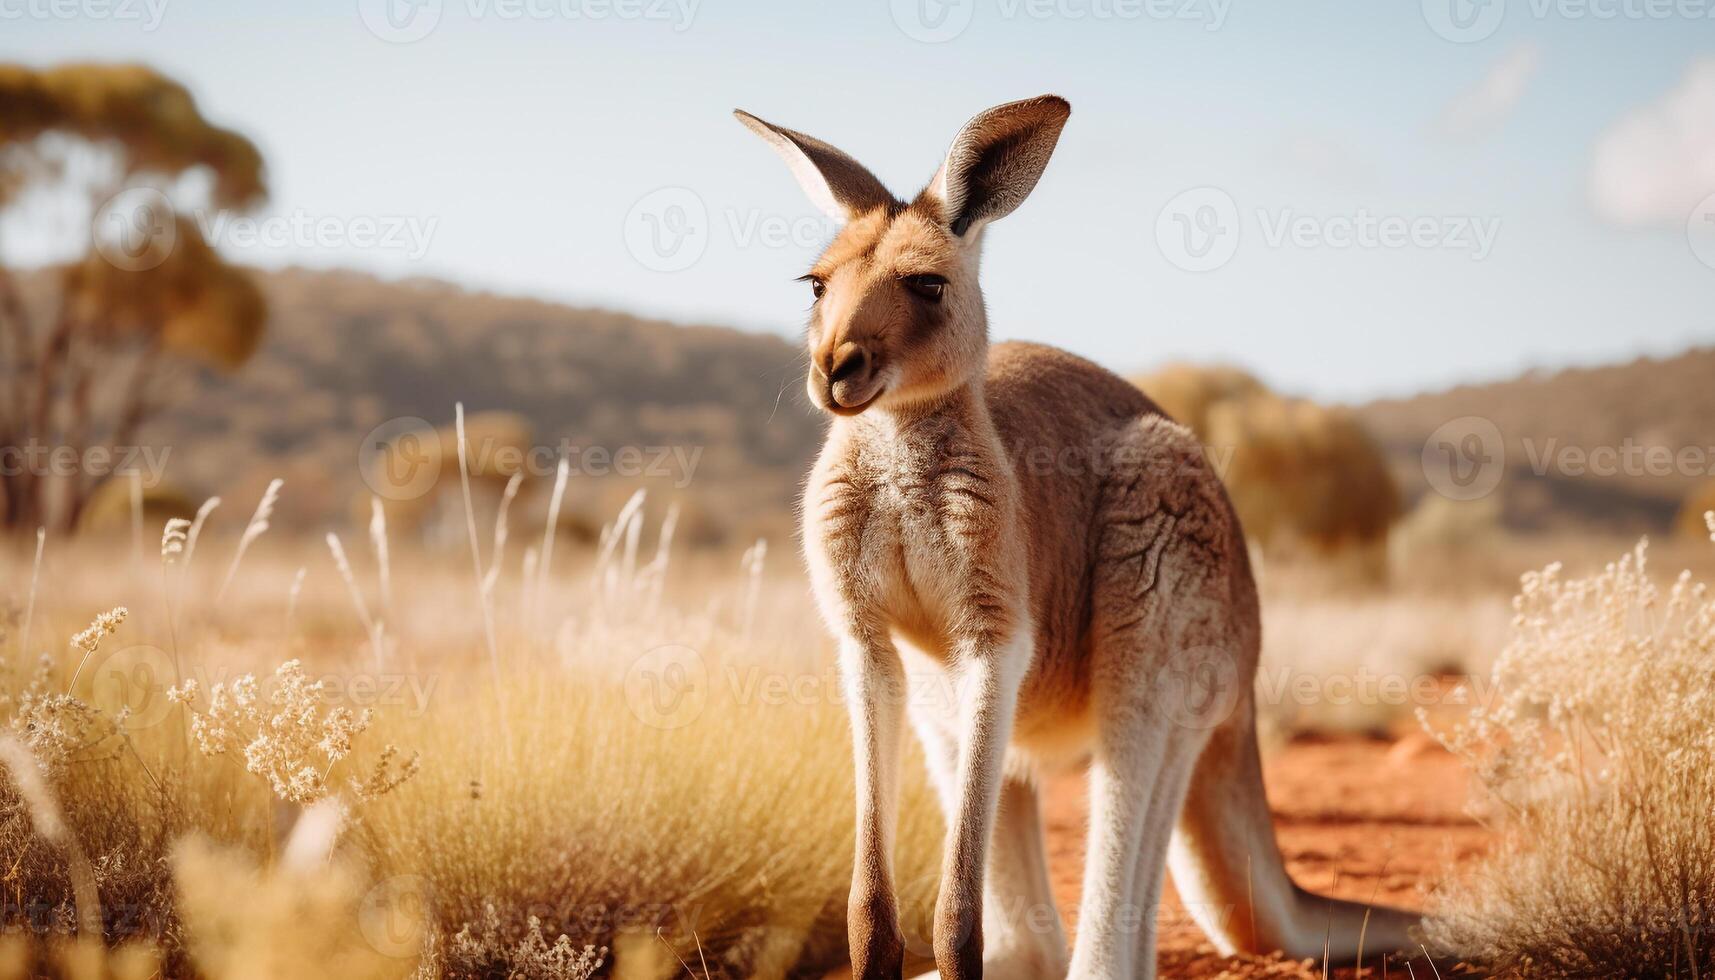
[
  {"x": 846, "y": 380},
  {"x": 848, "y": 363}
]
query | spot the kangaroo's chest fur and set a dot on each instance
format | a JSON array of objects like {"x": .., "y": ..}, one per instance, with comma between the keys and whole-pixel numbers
[
  {"x": 910, "y": 524},
  {"x": 982, "y": 518}
]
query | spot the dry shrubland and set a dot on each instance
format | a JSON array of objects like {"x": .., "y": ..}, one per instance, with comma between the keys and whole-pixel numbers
[
  {"x": 1598, "y": 763},
  {"x": 387, "y": 765},
  {"x": 544, "y": 760}
]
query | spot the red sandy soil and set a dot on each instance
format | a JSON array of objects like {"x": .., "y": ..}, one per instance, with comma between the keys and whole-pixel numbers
[{"x": 1363, "y": 819}]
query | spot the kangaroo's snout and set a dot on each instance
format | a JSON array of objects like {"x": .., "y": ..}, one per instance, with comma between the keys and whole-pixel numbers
[{"x": 848, "y": 379}]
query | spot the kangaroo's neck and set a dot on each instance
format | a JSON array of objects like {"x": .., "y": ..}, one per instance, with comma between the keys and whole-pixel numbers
[
  {"x": 908, "y": 443},
  {"x": 960, "y": 408}
]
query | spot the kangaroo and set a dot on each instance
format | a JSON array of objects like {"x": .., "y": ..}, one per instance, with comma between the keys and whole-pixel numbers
[{"x": 1021, "y": 553}]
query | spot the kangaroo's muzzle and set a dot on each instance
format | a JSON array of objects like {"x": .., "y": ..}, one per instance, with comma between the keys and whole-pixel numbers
[{"x": 847, "y": 379}]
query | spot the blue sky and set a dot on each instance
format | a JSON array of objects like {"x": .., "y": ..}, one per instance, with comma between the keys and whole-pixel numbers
[{"x": 529, "y": 146}]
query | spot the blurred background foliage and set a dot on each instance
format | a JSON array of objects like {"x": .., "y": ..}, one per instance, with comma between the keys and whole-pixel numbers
[{"x": 96, "y": 354}]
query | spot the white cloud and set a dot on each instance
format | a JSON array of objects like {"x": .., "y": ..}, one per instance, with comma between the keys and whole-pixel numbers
[
  {"x": 1653, "y": 165},
  {"x": 1485, "y": 106}
]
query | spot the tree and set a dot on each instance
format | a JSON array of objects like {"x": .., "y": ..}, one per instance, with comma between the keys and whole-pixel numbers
[{"x": 104, "y": 335}]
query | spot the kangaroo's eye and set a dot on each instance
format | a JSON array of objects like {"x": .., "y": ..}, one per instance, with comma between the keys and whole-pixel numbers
[
  {"x": 817, "y": 286},
  {"x": 928, "y": 285}
]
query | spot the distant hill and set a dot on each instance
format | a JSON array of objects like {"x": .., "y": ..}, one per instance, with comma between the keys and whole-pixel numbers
[
  {"x": 346, "y": 352},
  {"x": 1614, "y": 448}
]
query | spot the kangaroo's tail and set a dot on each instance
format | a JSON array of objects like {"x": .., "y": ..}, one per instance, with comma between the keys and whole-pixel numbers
[{"x": 1229, "y": 872}]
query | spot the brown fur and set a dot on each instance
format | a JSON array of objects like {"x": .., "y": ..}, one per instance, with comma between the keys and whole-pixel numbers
[{"x": 1028, "y": 529}]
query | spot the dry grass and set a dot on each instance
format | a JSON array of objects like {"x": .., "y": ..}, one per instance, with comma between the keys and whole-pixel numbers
[
  {"x": 1599, "y": 760},
  {"x": 1360, "y": 663},
  {"x": 659, "y": 782},
  {"x": 568, "y": 820}
]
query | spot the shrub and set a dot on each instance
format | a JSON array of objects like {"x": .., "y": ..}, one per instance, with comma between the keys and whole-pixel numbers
[{"x": 1597, "y": 753}]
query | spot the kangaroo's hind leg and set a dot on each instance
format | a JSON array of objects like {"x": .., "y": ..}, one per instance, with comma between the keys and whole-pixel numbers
[
  {"x": 1163, "y": 666},
  {"x": 1029, "y": 937},
  {"x": 1138, "y": 781}
]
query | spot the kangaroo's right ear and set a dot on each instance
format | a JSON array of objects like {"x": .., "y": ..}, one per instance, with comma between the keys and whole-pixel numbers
[{"x": 839, "y": 185}]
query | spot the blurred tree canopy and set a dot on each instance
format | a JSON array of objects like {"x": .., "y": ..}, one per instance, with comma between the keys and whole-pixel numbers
[{"x": 143, "y": 296}]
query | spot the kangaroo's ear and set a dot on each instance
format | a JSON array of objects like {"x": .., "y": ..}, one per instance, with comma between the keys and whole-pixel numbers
[
  {"x": 835, "y": 182},
  {"x": 996, "y": 159}
]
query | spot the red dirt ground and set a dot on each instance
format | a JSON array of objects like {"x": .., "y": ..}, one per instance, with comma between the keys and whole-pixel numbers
[{"x": 1363, "y": 819}]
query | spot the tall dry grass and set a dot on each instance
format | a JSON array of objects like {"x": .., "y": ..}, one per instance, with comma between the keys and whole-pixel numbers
[
  {"x": 631, "y": 763},
  {"x": 1598, "y": 758},
  {"x": 569, "y": 820}
]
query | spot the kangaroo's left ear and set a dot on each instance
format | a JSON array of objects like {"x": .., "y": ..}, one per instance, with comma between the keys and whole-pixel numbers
[
  {"x": 996, "y": 159},
  {"x": 842, "y": 187}
]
